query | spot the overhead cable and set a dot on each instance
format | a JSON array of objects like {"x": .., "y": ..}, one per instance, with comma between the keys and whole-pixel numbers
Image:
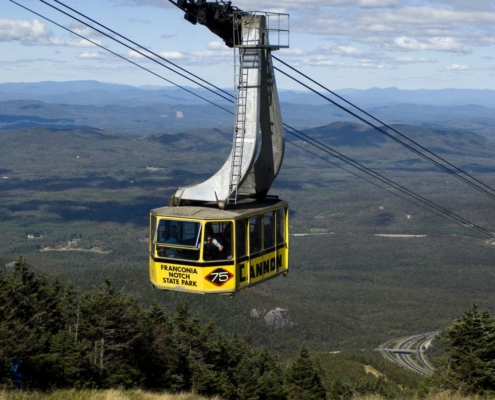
[
  {"x": 393, "y": 184},
  {"x": 441, "y": 215},
  {"x": 456, "y": 219},
  {"x": 122, "y": 57},
  {"x": 441, "y": 166},
  {"x": 384, "y": 124},
  {"x": 133, "y": 49},
  {"x": 144, "y": 48}
]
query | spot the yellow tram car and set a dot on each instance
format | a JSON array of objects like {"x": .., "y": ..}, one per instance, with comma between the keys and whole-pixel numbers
[{"x": 203, "y": 249}]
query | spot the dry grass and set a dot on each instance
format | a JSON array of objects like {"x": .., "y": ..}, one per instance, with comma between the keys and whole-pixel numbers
[
  {"x": 99, "y": 395},
  {"x": 140, "y": 395},
  {"x": 439, "y": 396}
]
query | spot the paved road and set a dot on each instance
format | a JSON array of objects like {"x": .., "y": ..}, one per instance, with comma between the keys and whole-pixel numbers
[{"x": 408, "y": 352}]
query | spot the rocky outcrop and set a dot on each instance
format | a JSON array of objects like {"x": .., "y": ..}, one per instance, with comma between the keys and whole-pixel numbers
[{"x": 277, "y": 317}]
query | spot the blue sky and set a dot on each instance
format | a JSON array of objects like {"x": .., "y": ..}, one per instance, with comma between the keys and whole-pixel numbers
[{"x": 409, "y": 44}]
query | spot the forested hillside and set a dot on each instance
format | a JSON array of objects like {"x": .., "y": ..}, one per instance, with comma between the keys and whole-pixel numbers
[
  {"x": 76, "y": 204},
  {"x": 52, "y": 336}
]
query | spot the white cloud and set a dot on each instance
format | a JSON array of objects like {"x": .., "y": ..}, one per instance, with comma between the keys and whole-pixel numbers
[
  {"x": 293, "y": 52},
  {"x": 341, "y": 50},
  {"x": 35, "y": 33},
  {"x": 414, "y": 60},
  {"x": 91, "y": 55},
  {"x": 216, "y": 46},
  {"x": 380, "y": 27},
  {"x": 456, "y": 67},
  {"x": 370, "y": 64},
  {"x": 431, "y": 44},
  {"x": 174, "y": 55},
  {"x": 320, "y": 62},
  {"x": 53, "y": 41},
  {"x": 82, "y": 43},
  {"x": 23, "y": 31},
  {"x": 206, "y": 57},
  {"x": 470, "y": 5},
  {"x": 269, "y": 5},
  {"x": 83, "y": 30}
]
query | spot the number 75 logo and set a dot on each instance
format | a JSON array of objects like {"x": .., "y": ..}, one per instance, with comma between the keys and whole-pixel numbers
[{"x": 219, "y": 277}]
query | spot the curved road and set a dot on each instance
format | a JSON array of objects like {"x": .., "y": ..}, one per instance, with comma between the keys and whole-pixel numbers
[{"x": 401, "y": 351}]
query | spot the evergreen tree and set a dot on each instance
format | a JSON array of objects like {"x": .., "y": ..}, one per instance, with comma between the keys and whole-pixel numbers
[
  {"x": 158, "y": 357},
  {"x": 185, "y": 335},
  {"x": 210, "y": 360},
  {"x": 303, "y": 381},
  {"x": 32, "y": 311},
  {"x": 340, "y": 390},
  {"x": 246, "y": 378},
  {"x": 469, "y": 365},
  {"x": 66, "y": 365},
  {"x": 107, "y": 340},
  {"x": 113, "y": 325},
  {"x": 270, "y": 385}
]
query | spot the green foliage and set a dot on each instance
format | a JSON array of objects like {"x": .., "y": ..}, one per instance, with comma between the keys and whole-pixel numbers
[
  {"x": 106, "y": 340},
  {"x": 349, "y": 375},
  {"x": 469, "y": 364},
  {"x": 32, "y": 312},
  {"x": 111, "y": 323},
  {"x": 303, "y": 380}
]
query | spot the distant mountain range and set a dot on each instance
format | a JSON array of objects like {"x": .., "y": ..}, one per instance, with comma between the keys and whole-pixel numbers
[
  {"x": 100, "y": 94},
  {"x": 150, "y": 109}
]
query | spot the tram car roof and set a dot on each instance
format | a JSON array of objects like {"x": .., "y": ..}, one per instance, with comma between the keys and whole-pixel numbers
[{"x": 244, "y": 207}]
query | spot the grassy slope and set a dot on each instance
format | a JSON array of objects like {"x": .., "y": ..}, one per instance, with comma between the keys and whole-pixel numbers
[
  {"x": 98, "y": 395},
  {"x": 139, "y": 395}
]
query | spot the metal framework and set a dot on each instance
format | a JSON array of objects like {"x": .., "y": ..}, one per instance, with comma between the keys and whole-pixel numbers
[{"x": 258, "y": 141}]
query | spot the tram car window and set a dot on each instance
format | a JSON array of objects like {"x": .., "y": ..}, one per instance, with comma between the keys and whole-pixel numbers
[
  {"x": 241, "y": 238},
  {"x": 269, "y": 230},
  {"x": 178, "y": 239},
  {"x": 255, "y": 234}
]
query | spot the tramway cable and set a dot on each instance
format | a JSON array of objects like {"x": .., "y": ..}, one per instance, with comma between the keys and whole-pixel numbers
[
  {"x": 133, "y": 49},
  {"x": 144, "y": 48},
  {"x": 383, "y": 123},
  {"x": 441, "y": 215},
  {"x": 395, "y": 185},
  {"x": 443, "y": 167},
  {"x": 458, "y": 220},
  {"x": 122, "y": 57}
]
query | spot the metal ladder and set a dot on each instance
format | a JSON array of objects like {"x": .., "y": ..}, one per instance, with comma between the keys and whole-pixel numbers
[{"x": 248, "y": 59}]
